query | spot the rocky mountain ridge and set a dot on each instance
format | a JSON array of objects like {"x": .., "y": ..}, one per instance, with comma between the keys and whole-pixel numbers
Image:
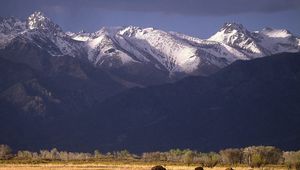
[{"x": 133, "y": 53}]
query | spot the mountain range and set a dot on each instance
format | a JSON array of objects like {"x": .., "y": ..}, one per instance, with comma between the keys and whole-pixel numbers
[
  {"x": 147, "y": 56},
  {"x": 146, "y": 89}
]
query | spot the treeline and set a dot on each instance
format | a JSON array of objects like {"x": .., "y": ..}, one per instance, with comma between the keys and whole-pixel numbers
[{"x": 254, "y": 156}]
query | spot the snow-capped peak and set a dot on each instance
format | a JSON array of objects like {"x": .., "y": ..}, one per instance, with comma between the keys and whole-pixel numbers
[
  {"x": 38, "y": 20},
  {"x": 235, "y": 35},
  {"x": 278, "y": 40},
  {"x": 230, "y": 32},
  {"x": 276, "y": 33},
  {"x": 232, "y": 26}
]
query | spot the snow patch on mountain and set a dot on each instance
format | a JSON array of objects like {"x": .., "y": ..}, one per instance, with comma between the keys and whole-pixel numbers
[
  {"x": 276, "y": 33},
  {"x": 174, "y": 54},
  {"x": 216, "y": 48},
  {"x": 80, "y": 36},
  {"x": 102, "y": 47}
]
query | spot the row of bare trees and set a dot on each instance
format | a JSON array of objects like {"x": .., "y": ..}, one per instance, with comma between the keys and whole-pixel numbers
[{"x": 254, "y": 156}]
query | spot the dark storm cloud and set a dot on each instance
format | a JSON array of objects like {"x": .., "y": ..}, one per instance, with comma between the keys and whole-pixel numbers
[
  {"x": 198, "y": 7},
  {"x": 181, "y": 7}
]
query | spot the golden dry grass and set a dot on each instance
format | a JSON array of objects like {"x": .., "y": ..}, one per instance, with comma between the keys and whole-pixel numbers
[{"x": 95, "y": 166}]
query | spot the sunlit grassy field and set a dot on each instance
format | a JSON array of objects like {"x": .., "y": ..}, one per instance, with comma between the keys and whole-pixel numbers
[{"x": 95, "y": 166}]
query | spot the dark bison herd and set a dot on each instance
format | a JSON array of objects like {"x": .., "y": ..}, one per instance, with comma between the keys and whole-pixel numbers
[{"x": 159, "y": 167}]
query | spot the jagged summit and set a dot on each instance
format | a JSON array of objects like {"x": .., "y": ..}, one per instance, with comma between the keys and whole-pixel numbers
[
  {"x": 229, "y": 30},
  {"x": 238, "y": 37},
  {"x": 130, "y": 31},
  {"x": 230, "y": 26},
  {"x": 38, "y": 20}
]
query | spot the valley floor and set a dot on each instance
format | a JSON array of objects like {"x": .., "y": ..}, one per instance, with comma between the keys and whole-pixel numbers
[{"x": 95, "y": 166}]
